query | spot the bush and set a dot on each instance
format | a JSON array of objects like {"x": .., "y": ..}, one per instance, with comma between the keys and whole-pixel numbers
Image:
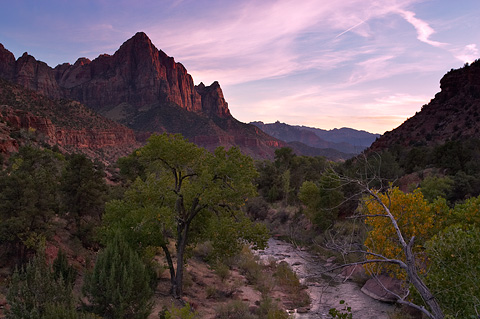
[
  {"x": 287, "y": 278},
  {"x": 120, "y": 284},
  {"x": 257, "y": 208},
  {"x": 268, "y": 309},
  {"x": 235, "y": 309},
  {"x": 185, "y": 312},
  {"x": 63, "y": 270},
  {"x": 249, "y": 267},
  {"x": 34, "y": 289}
]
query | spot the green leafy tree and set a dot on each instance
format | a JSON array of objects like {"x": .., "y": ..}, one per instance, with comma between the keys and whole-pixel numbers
[
  {"x": 434, "y": 187},
  {"x": 83, "y": 188},
  {"x": 28, "y": 197},
  {"x": 34, "y": 290},
  {"x": 188, "y": 195},
  {"x": 120, "y": 284},
  {"x": 322, "y": 199},
  {"x": 454, "y": 273}
]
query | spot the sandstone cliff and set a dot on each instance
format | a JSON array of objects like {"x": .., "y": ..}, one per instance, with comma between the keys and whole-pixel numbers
[{"x": 26, "y": 117}]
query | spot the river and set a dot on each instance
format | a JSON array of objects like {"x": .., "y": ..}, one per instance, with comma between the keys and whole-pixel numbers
[{"x": 326, "y": 290}]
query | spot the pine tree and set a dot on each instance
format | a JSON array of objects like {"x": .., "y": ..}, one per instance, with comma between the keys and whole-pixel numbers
[
  {"x": 120, "y": 284},
  {"x": 34, "y": 288}
]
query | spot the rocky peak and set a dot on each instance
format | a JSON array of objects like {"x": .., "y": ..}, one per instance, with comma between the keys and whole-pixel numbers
[
  {"x": 7, "y": 63},
  {"x": 213, "y": 101},
  {"x": 36, "y": 75},
  {"x": 82, "y": 61}
]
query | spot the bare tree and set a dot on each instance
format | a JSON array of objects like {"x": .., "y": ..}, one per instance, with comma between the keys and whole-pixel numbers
[{"x": 369, "y": 177}]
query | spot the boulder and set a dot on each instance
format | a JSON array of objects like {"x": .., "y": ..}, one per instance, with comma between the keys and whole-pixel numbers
[{"x": 378, "y": 288}]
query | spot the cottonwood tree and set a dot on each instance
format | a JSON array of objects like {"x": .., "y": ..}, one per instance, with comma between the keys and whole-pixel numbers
[{"x": 188, "y": 194}]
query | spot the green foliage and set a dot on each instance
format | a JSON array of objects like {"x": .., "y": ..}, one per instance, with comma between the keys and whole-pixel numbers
[
  {"x": 257, "y": 208},
  {"x": 288, "y": 279},
  {"x": 131, "y": 167},
  {"x": 454, "y": 273},
  {"x": 120, "y": 284},
  {"x": 283, "y": 178},
  {"x": 467, "y": 213},
  {"x": 344, "y": 313},
  {"x": 29, "y": 196},
  {"x": 249, "y": 266},
  {"x": 34, "y": 290},
  {"x": 62, "y": 269},
  {"x": 269, "y": 309},
  {"x": 185, "y": 312},
  {"x": 322, "y": 200},
  {"x": 434, "y": 187},
  {"x": 83, "y": 188},
  {"x": 59, "y": 311},
  {"x": 190, "y": 195}
]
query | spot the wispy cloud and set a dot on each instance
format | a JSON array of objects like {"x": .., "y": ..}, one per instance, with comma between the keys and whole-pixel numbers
[
  {"x": 424, "y": 31},
  {"x": 262, "y": 40},
  {"x": 467, "y": 54}
]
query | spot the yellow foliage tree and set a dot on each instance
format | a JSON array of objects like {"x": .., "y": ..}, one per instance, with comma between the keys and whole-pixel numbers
[{"x": 415, "y": 216}]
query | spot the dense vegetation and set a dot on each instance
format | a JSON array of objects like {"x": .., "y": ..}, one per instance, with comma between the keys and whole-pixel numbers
[{"x": 174, "y": 194}]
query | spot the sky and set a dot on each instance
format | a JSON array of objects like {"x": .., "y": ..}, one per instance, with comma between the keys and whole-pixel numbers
[{"x": 364, "y": 64}]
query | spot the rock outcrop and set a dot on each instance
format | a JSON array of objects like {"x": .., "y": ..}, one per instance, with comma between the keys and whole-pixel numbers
[
  {"x": 27, "y": 116},
  {"x": 454, "y": 114},
  {"x": 213, "y": 102}
]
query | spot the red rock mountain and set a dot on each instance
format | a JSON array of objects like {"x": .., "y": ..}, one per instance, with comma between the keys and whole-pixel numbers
[
  {"x": 143, "y": 88},
  {"x": 454, "y": 113}
]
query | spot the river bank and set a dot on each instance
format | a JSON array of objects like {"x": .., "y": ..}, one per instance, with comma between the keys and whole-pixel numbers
[{"x": 325, "y": 290}]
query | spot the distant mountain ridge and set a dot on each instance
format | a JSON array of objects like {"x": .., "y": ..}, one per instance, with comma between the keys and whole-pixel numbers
[
  {"x": 345, "y": 140},
  {"x": 143, "y": 88}
]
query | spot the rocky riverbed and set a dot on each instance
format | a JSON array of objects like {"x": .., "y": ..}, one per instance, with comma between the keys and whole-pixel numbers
[{"x": 325, "y": 289}]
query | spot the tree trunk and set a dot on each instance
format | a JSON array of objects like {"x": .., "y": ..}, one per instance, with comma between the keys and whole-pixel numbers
[
  {"x": 417, "y": 282},
  {"x": 182, "y": 231},
  {"x": 170, "y": 266}
]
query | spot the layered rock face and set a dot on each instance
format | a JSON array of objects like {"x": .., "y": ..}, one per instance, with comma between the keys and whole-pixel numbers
[
  {"x": 42, "y": 128},
  {"x": 27, "y": 116}
]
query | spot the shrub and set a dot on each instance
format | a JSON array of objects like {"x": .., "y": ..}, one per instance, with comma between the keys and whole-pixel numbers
[
  {"x": 62, "y": 269},
  {"x": 185, "y": 312},
  {"x": 120, "y": 284},
  {"x": 235, "y": 309},
  {"x": 34, "y": 289}
]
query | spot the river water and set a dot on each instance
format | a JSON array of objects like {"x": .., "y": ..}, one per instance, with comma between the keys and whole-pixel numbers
[{"x": 326, "y": 290}]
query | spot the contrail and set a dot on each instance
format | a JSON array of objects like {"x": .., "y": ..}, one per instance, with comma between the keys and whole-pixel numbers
[{"x": 363, "y": 21}]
